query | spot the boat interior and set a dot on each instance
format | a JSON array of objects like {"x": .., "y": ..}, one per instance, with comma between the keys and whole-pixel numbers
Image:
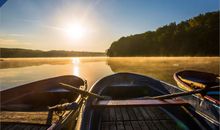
[
  {"x": 195, "y": 77},
  {"x": 142, "y": 116},
  {"x": 198, "y": 80}
]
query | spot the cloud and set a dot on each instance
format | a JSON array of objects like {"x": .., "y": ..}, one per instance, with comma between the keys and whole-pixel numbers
[
  {"x": 11, "y": 35},
  {"x": 16, "y": 35},
  {"x": 7, "y": 41},
  {"x": 11, "y": 43},
  {"x": 39, "y": 23}
]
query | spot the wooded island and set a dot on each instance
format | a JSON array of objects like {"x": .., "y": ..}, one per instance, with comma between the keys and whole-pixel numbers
[{"x": 198, "y": 36}]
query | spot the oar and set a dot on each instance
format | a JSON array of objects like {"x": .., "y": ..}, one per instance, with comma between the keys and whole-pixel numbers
[
  {"x": 173, "y": 95},
  {"x": 84, "y": 92}
]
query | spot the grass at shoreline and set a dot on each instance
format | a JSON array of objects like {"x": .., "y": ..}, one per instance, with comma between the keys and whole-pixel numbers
[{"x": 30, "y": 117}]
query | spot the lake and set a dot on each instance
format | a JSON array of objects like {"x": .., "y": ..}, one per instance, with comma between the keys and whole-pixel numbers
[{"x": 18, "y": 71}]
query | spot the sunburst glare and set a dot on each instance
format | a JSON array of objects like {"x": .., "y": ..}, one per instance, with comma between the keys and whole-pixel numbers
[{"x": 75, "y": 31}]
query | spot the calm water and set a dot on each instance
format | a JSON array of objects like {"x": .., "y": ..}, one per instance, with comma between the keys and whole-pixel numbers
[{"x": 14, "y": 72}]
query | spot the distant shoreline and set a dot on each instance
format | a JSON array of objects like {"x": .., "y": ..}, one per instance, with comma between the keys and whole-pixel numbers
[
  {"x": 28, "y": 53},
  {"x": 169, "y": 57}
]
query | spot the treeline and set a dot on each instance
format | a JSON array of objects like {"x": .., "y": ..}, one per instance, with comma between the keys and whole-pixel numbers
[
  {"x": 198, "y": 36},
  {"x": 16, "y": 53}
]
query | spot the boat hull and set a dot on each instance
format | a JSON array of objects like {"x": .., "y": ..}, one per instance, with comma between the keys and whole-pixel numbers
[
  {"x": 38, "y": 96},
  {"x": 190, "y": 80},
  {"x": 122, "y": 86}
]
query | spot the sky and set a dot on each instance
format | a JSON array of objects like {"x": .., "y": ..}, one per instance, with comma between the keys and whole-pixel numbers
[{"x": 88, "y": 25}]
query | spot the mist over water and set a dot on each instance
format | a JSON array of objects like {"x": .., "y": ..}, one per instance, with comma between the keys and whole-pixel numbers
[{"x": 18, "y": 71}]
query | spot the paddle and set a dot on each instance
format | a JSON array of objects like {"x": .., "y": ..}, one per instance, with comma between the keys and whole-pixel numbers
[
  {"x": 173, "y": 95},
  {"x": 86, "y": 93},
  {"x": 73, "y": 105}
]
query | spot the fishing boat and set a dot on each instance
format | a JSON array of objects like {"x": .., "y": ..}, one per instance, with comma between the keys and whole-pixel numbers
[
  {"x": 136, "y": 102},
  {"x": 38, "y": 96},
  {"x": 191, "y": 80}
]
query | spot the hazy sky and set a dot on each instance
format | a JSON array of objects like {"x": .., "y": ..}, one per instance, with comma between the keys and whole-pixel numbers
[{"x": 53, "y": 24}]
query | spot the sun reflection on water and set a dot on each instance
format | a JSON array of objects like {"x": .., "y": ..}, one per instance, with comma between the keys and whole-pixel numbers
[
  {"x": 75, "y": 62},
  {"x": 76, "y": 70}
]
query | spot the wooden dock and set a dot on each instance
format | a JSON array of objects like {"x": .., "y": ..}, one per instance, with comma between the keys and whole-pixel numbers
[{"x": 22, "y": 126}]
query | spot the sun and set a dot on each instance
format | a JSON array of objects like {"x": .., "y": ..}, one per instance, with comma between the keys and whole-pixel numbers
[{"x": 75, "y": 31}]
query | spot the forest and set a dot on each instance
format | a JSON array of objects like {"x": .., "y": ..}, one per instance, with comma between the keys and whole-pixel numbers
[
  {"x": 17, "y": 53},
  {"x": 198, "y": 36}
]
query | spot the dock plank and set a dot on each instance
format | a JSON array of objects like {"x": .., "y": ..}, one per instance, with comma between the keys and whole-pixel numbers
[
  {"x": 22, "y": 126},
  {"x": 42, "y": 128},
  {"x": 35, "y": 128},
  {"x": 6, "y": 127}
]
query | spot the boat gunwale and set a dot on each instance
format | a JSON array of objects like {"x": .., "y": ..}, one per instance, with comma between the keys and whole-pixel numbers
[{"x": 42, "y": 80}]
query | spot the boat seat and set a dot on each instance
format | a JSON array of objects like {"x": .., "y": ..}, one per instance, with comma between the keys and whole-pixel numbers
[
  {"x": 139, "y": 102},
  {"x": 127, "y": 92}
]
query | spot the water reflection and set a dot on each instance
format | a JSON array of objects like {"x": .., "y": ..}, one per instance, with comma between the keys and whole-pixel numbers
[
  {"x": 163, "y": 68},
  {"x": 14, "y": 72},
  {"x": 27, "y": 62},
  {"x": 76, "y": 70},
  {"x": 6, "y": 63},
  {"x": 75, "y": 61}
]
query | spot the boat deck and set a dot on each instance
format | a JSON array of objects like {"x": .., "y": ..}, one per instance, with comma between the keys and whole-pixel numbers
[
  {"x": 22, "y": 126},
  {"x": 136, "y": 118}
]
